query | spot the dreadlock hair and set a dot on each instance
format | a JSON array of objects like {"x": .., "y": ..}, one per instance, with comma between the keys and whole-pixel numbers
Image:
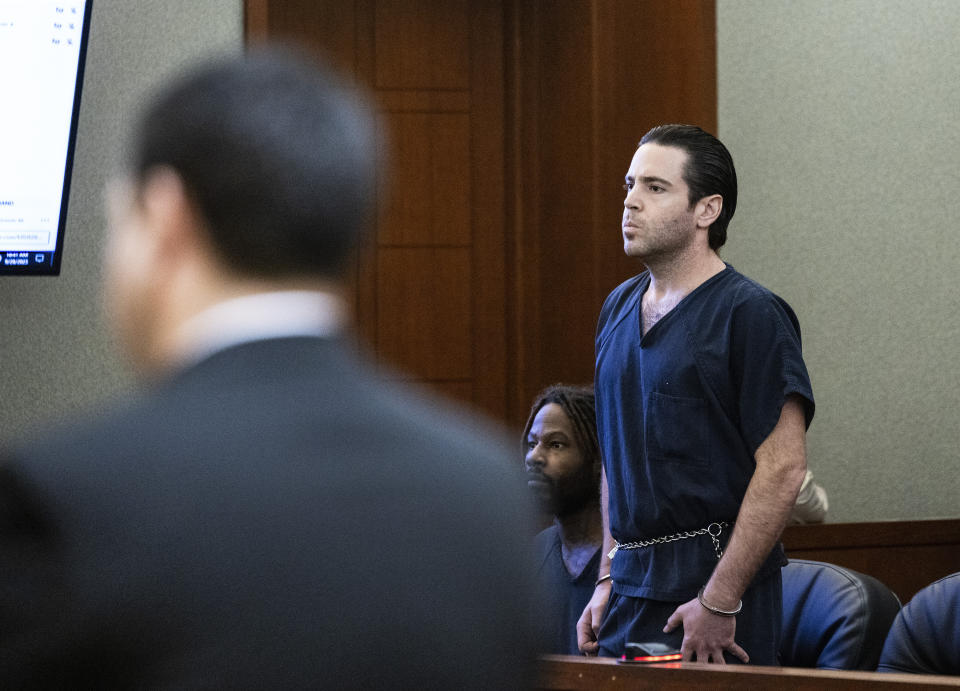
[{"x": 578, "y": 404}]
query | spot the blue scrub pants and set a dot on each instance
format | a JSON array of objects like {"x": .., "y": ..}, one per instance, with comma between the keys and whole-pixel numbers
[{"x": 639, "y": 620}]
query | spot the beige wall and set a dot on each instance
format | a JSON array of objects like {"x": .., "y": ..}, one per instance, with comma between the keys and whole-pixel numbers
[
  {"x": 55, "y": 356},
  {"x": 842, "y": 120}
]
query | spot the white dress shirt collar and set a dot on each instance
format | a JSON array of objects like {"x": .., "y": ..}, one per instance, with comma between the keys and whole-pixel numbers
[{"x": 257, "y": 317}]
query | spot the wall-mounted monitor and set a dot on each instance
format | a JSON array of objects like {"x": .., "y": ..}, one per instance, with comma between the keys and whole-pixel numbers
[{"x": 43, "y": 48}]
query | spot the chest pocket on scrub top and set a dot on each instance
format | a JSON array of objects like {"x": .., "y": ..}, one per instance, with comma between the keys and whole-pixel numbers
[{"x": 676, "y": 430}]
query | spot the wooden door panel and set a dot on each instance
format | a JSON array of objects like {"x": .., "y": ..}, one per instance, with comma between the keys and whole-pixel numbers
[
  {"x": 434, "y": 342},
  {"x": 427, "y": 192},
  {"x": 587, "y": 79},
  {"x": 510, "y": 124},
  {"x": 434, "y": 70},
  {"x": 327, "y": 26},
  {"x": 422, "y": 44}
]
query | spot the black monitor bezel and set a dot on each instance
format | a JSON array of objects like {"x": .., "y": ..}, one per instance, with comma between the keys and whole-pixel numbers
[{"x": 52, "y": 267}]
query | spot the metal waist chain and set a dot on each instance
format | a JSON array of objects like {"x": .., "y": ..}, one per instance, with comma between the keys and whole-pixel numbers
[{"x": 713, "y": 530}]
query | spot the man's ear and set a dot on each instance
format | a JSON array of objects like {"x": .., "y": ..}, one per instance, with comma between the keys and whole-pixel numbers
[
  {"x": 708, "y": 209},
  {"x": 167, "y": 208}
]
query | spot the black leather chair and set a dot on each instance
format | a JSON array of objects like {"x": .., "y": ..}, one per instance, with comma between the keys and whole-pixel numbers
[
  {"x": 925, "y": 637},
  {"x": 833, "y": 617}
]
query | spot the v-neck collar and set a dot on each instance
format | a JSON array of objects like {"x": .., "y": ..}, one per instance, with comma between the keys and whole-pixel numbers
[{"x": 638, "y": 321}]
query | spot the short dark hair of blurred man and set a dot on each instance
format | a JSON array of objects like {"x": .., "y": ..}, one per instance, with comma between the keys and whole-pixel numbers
[
  {"x": 563, "y": 469},
  {"x": 267, "y": 514}
]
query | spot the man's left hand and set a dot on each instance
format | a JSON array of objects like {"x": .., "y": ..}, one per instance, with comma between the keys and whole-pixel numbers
[{"x": 705, "y": 635}]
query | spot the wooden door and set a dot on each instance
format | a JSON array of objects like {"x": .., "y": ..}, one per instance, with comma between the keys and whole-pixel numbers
[
  {"x": 511, "y": 125},
  {"x": 586, "y": 80},
  {"x": 431, "y": 290}
]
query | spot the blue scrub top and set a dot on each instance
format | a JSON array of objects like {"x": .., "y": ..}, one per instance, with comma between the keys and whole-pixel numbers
[
  {"x": 681, "y": 412},
  {"x": 561, "y": 598}
]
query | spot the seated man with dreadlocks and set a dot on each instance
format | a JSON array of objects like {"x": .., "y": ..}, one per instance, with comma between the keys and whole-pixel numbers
[{"x": 563, "y": 469}]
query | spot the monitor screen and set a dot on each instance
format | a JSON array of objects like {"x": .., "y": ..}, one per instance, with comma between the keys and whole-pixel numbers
[{"x": 42, "y": 53}]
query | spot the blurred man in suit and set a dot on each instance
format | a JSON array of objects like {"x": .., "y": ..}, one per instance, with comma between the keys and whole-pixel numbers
[{"x": 266, "y": 514}]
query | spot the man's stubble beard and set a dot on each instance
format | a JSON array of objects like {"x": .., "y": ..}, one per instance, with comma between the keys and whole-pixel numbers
[{"x": 662, "y": 242}]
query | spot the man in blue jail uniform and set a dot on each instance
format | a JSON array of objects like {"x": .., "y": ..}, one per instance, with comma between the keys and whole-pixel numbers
[
  {"x": 703, "y": 401},
  {"x": 562, "y": 460}
]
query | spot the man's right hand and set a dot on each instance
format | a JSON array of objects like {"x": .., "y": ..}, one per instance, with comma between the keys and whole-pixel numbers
[{"x": 589, "y": 624}]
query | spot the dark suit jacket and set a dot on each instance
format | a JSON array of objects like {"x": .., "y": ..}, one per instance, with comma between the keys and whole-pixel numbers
[{"x": 271, "y": 517}]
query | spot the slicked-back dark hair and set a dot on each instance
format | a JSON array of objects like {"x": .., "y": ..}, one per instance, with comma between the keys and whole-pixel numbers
[
  {"x": 277, "y": 156},
  {"x": 708, "y": 170},
  {"x": 579, "y": 404}
]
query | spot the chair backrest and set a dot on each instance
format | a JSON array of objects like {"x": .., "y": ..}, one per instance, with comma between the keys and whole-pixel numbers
[
  {"x": 925, "y": 637},
  {"x": 833, "y": 617}
]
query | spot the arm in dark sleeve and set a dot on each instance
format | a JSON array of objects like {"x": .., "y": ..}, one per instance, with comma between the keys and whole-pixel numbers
[{"x": 767, "y": 365}]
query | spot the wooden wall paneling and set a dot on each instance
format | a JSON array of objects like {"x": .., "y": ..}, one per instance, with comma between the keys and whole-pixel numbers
[
  {"x": 551, "y": 199},
  {"x": 564, "y": 167},
  {"x": 434, "y": 343},
  {"x": 904, "y": 569},
  {"x": 365, "y": 303},
  {"x": 585, "y": 81},
  {"x": 653, "y": 65},
  {"x": 487, "y": 210},
  {"x": 521, "y": 127},
  {"x": 578, "y": 83},
  {"x": 456, "y": 390},
  {"x": 424, "y": 101},
  {"x": 325, "y": 26},
  {"x": 905, "y": 555},
  {"x": 422, "y": 44},
  {"x": 428, "y": 201},
  {"x": 255, "y": 20},
  {"x": 441, "y": 318}
]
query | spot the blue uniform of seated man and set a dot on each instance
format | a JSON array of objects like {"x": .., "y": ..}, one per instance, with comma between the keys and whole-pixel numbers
[
  {"x": 562, "y": 460},
  {"x": 703, "y": 401}
]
